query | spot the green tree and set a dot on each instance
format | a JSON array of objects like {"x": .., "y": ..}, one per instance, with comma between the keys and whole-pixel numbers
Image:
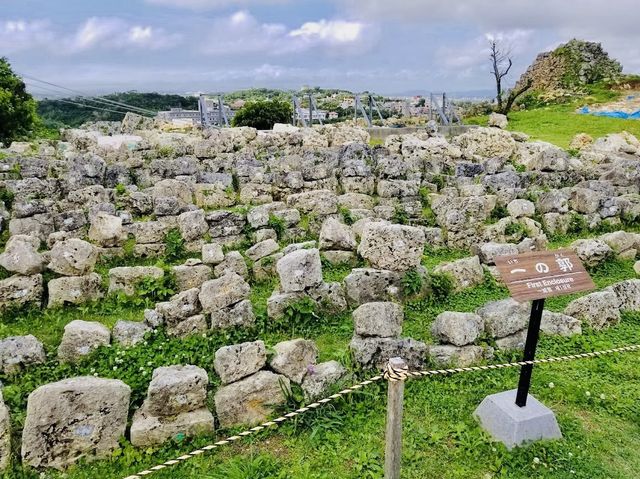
[
  {"x": 17, "y": 107},
  {"x": 263, "y": 114}
]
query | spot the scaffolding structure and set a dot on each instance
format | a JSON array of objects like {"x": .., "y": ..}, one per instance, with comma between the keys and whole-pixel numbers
[
  {"x": 213, "y": 113},
  {"x": 361, "y": 110},
  {"x": 445, "y": 112}
]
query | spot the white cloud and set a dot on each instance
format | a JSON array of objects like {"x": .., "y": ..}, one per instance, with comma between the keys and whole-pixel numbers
[
  {"x": 336, "y": 32},
  {"x": 116, "y": 33},
  {"x": 242, "y": 33},
  {"x": 212, "y": 4},
  {"x": 17, "y": 35}
]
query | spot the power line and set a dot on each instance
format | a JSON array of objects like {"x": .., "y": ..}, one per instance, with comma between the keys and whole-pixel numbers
[
  {"x": 94, "y": 99},
  {"x": 91, "y": 106}
]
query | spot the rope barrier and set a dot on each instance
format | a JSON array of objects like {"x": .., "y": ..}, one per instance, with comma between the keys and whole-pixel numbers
[{"x": 390, "y": 374}]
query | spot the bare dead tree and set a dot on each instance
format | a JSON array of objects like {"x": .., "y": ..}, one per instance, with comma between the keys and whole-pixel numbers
[{"x": 501, "y": 63}]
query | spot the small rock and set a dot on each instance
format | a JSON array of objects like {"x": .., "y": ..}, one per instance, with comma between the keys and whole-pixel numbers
[
  {"x": 223, "y": 292},
  {"x": 321, "y": 377},
  {"x": 129, "y": 333},
  {"x": 239, "y": 315},
  {"x": 448, "y": 355},
  {"x": 19, "y": 352},
  {"x": 335, "y": 235},
  {"x": 456, "y": 328},
  {"x": 521, "y": 208},
  {"x": 299, "y": 270},
  {"x": 88, "y": 415},
  {"x": 251, "y": 400},
  {"x": 559, "y": 324},
  {"x": 375, "y": 352},
  {"x": 176, "y": 389},
  {"x": 73, "y": 257},
  {"x": 599, "y": 310},
  {"x": 505, "y": 317},
  {"x": 465, "y": 272},
  {"x": 262, "y": 249},
  {"x": 392, "y": 247},
  {"x": 80, "y": 338},
  {"x": 239, "y": 360},
  {"x": 381, "y": 319},
  {"x": 293, "y": 357},
  {"x": 212, "y": 253},
  {"x": 21, "y": 256}
]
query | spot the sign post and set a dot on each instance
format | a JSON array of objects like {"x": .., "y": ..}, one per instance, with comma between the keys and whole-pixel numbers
[{"x": 531, "y": 276}]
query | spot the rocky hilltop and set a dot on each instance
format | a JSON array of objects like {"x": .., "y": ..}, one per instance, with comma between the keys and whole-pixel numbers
[{"x": 570, "y": 67}]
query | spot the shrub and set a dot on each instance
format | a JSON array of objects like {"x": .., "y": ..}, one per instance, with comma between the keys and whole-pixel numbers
[
  {"x": 400, "y": 216},
  {"x": 441, "y": 285},
  {"x": 263, "y": 114},
  {"x": 277, "y": 224},
  {"x": 577, "y": 224},
  {"x": 411, "y": 283},
  {"x": 17, "y": 107},
  {"x": 347, "y": 217},
  {"x": 174, "y": 243}
]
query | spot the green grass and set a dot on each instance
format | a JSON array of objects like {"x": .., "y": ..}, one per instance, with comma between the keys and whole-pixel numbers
[
  {"x": 345, "y": 440},
  {"x": 558, "y": 124}
]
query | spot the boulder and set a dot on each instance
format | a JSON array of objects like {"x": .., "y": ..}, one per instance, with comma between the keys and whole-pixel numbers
[
  {"x": 75, "y": 419},
  {"x": 180, "y": 307},
  {"x": 620, "y": 241},
  {"x": 375, "y": 352},
  {"x": 444, "y": 355},
  {"x": 21, "y": 290},
  {"x": 193, "y": 225},
  {"x": 19, "y": 352},
  {"x": 176, "y": 389},
  {"x": 321, "y": 377},
  {"x": 504, "y": 317},
  {"x": 239, "y": 360},
  {"x": 591, "y": 252},
  {"x": 299, "y": 270},
  {"x": 465, "y": 272},
  {"x": 293, "y": 358},
  {"x": 212, "y": 253},
  {"x": 74, "y": 290},
  {"x": 262, "y": 249},
  {"x": 222, "y": 292},
  {"x": 233, "y": 263},
  {"x": 392, "y": 247},
  {"x": 106, "y": 230},
  {"x": 5, "y": 436},
  {"x": 366, "y": 285},
  {"x": 521, "y": 208},
  {"x": 381, "y": 319},
  {"x": 21, "y": 256},
  {"x": 126, "y": 279},
  {"x": 498, "y": 120},
  {"x": 149, "y": 430},
  {"x": 192, "y": 274},
  {"x": 239, "y": 315},
  {"x": 628, "y": 293},
  {"x": 456, "y": 328},
  {"x": 80, "y": 338},
  {"x": 129, "y": 333},
  {"x": 599, "y": 310},
  {"x": 513, "y": 341},
  {"x": 559, "y": 324},
  {"x": 335, "y": 235},
  {"x": 490, "y": 251},
  {"x": 251, "y": 400},
  {"x": 73, "y": 257}
]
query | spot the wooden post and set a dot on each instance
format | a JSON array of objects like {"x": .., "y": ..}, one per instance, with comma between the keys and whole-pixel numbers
[{"x": 393, "y": 437}]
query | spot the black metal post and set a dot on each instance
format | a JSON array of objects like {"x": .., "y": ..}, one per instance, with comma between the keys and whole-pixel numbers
[{"x": 529, "y": 351}]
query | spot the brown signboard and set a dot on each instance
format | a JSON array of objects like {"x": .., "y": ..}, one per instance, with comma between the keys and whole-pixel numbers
[{"x": 542, "y": 274}]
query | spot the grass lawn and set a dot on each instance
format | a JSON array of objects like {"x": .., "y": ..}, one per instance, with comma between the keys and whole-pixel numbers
[
  {"x": 596, "y": 400},
  {"x": 558, "y": 124}
]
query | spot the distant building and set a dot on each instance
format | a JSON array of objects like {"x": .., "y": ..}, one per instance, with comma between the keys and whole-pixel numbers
[
  {"x": 318, "y": 115},
  {"x": 178, "y": 115}
]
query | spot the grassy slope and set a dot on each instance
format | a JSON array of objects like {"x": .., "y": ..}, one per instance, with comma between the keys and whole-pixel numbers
[{"x": 558, "y": 124}]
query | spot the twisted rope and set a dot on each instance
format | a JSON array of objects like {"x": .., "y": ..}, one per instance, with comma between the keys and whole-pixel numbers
[{"x": 391, "y": 374}]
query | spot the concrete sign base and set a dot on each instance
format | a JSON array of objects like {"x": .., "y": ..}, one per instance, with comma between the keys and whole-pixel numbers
[{"x": 512, "y": 425}]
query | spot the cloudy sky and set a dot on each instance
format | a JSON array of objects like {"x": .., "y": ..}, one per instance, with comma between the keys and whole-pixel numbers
[{"x": 388, "y": 46}]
